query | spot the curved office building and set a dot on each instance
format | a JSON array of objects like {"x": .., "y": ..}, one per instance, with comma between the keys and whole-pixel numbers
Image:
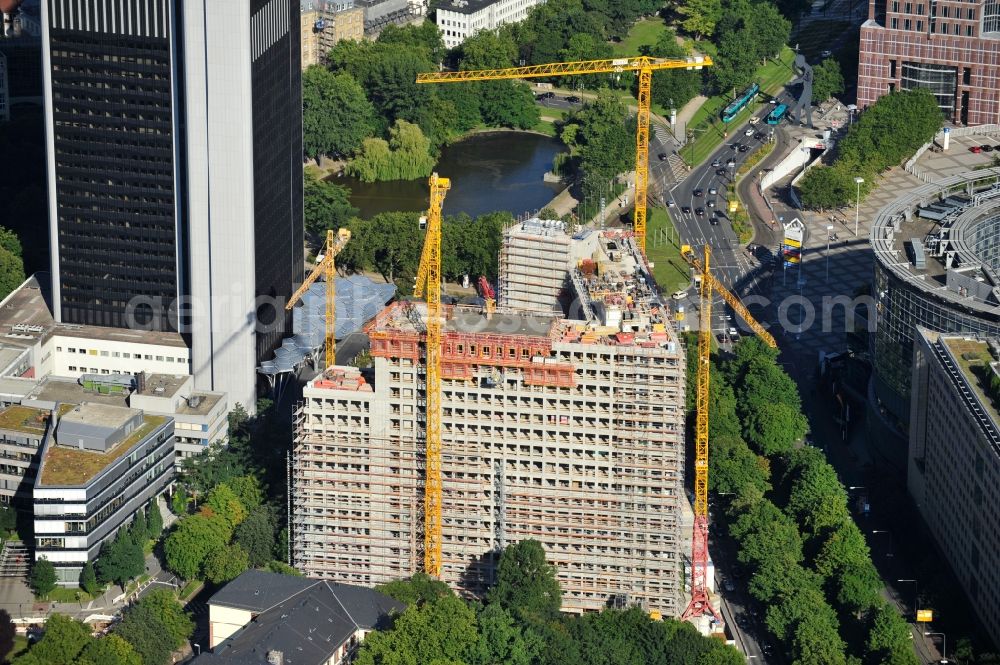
[{"x": 937, "y": 260}]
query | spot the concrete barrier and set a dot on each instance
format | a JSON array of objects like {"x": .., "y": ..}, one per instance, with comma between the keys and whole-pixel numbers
[{"x": 794, "y": 160}]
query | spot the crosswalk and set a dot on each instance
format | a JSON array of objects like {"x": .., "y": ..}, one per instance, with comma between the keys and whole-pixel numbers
[
  {"x": 662, "y": 135},
  {"x": 678, "y": 169}
]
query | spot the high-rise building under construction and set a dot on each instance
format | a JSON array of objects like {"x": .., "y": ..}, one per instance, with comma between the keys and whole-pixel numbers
[{"x": 566, "y": 429}]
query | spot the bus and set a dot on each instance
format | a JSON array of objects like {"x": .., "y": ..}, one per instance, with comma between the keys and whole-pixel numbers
[
  {"x": 739, "y": 103},
  {"x": 775, "y": 116}
]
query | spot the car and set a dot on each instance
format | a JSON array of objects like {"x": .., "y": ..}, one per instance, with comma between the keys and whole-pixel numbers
[
  {"x": 744, "y": 148},
  {"x": 734, "y": 333},
  {"x": 670, "y": 203},
  {"x": 748, "y": 131},
  {"x": 573, "y": 99},
  {"x": 773, "y": 101},
  {"x": 662, "y": 156},
  {"x": 700, "y": 212},
  {"x": 720, "y": 171},
  {"x": 686, "y": 210},
  {"x": 710, "y": 203},
  {"x": 713, "y": 191},
  {"x": 728, "y": 584},
  {"x": 698, "y": 192},
  {"x": 759, "y": 137},
  {"x": 825, "y": 54},
  {"x": 679, "y": 295},
  {"x": 754, "y": 119},
  {"x": 976, "y": 149},
  {"x": 986, "y": 147},
  {"x": 714, "y": 221},
  {"x": 716, "y": 163},
  {"x": 731, "y": 164}
]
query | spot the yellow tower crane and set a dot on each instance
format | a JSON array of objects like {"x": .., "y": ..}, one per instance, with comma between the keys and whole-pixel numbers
[
  {"x": 325, "y": 266},
  {"x": 644, "y": 65},
  {"x": 700, "y": 603},
  {"x": 429, "y": 283}
]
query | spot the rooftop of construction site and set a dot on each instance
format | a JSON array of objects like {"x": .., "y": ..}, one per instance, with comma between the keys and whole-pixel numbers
[
  {"x": 64, "y": 465},
  {"x": 26, "y": 317},
  {"x": 612, "y": 297}
]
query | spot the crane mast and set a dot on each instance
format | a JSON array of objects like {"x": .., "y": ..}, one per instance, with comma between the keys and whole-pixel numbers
[
  {"x": 326, "y": 267},
  {"x": 700, "y": 604},
  {"x": 429, "y": 285},
  {"x": 643, "y": 65}
]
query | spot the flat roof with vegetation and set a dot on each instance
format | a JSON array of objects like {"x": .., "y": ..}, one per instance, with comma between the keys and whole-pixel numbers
[
  {"x": 24, "y": 419},
  {"x": 63, "y": 465},
  {"x": 973, "y": 358}
]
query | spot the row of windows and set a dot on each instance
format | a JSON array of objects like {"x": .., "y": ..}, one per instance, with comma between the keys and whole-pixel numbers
[
  {"x": 121, "y": 354},
  {"x": 939, "y": 28}
]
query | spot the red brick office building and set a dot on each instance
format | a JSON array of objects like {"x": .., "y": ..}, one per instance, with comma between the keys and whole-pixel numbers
[{"x": 949, "y": 46}]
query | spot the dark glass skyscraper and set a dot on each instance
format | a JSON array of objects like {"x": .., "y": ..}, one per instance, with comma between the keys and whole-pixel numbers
[{"x": 175, "y": 172}]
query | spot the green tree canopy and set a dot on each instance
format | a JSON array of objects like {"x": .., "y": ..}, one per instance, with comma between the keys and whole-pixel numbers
[
  {"x": 827, "y": 80},
  {"x": 326, "y": 205},
  {"x": 227, "y": 564},
  {"x": 43, "y": 577},
  {"x": 440, "y": 631},
  {"x": 336, "y": 115},
  {"x": 501, "y": 641},
  {"x": 88, "y": 579},
  {"x": 11, "y": 264},
  {"x": 404, "y": 157},
  {"x": 223, "y": 502},
  {"x": 63, "y": 640},
  {"x": 889, "y": 639},
  {"x": 191, "y": 541},
  {"x": 418, "y": 589},
  {"x": 673, "y": 88},
  {"x": 155, "y": 520},
  {"x": 700, "y": 16},
  {"x": 110, "y": 650},
  {"x": 526, "y": 582},
  {"x": 256, "y": 535}
]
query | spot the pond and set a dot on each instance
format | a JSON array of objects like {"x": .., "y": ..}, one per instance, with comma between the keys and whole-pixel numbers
[{"x": 489, "y": 171}]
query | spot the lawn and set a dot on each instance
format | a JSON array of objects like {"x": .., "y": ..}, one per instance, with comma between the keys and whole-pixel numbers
[
  {"x": 547, "y": 122},
  {"x": 709, "y": 130},
  {"x": 643, "y": 33},
  {"x": 20, "y": 646},
  {"x": 670, "y": 271},
  {"x": 190, "y": 589}
]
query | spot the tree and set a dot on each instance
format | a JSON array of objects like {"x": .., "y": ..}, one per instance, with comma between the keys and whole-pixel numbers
[
  {"x": 11, "y": 263},
  {"x": 673, "y": 88},
  {"x": 418, "y": 589},
  {"x": 43, "y": 577},
  {"x": 770, "y": 29},
  {"x": 63, "y": 640},
  {"x": 8, "y": 519},
  {"x": 607, "y": 144},
  {"x": 227, "y": 564},
  {"x": 404, "y": 157},
  {"x": 508, "y": 104},
  {"x": 325, "y": 205},
  {"x": 162, "y": 604},
  {"x": 255, "y": 535},
  {"x": 192, "y": 540},
  {"x": 773, "y": 429},
  {"x": 336, "y": 115},
  {"x": 248, "y": 490},
  {"x": 824, "y": 188},
  {"x": 139, "y": 529},
  {"x": 155, "y": 520},
  {"x": 223, "y": 502},
  {"x": 732, "y": 466},
  {"x": 827, "y": 80},
  {"x": 110, "y": 650},
  {"x": 425, "y": 37},
  {"x": 889, "y": 638},
  {"x": 7, "y": 632},
  {"x": 179, "y": 500},
  {"x": 88, "y": 579},
  {"x": 734, "y": 69},
  {"x": 488, "y": 49},
  {"x": 526, "y": 583},
  {"x": 120, "y": 559},
  {"x": 700, "y": 16},
  {"x": 501, "y": 641},
  {"x": 441, "y": 631}
]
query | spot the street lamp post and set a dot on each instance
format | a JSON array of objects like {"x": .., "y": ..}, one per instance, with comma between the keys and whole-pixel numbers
[
  {"x": 888, "y": 533},
  {"x": 829, "y": 235},
  {"x": 857, "y": 206},
  {"x": 944, "y": 645},
  {"x": 916, "y": 596}
]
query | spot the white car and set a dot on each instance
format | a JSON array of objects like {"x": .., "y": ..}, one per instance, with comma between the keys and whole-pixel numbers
[
  {"x": 713, "y": 191},
  {"x": 754, "y": 120},
  {"x": 748, "y": 131},
  {"x": 679, "y": 295},
  {"x": 670, "y": 203},
  {"x": 733, "y": 333}
]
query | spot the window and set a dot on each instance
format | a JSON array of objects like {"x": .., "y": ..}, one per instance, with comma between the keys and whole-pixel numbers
[
  {"x": 147, "y": 357},
  {"x": 159, "y": 358},
  {"x": 972, "y": 14},
  {"x": 909, "y": 7},
  {"x": 71, "y": 350},
  {"x": 116, "y": 354},
  {"x": 907, "y": 24},
  {"x": 894, "y": 24},
  {"x": 920, "y": 26},
  {"x": 58, "y": 349},
  {"x": 920, "y": 10},
  {"x": 968, "y": 31},
  {"x": 72, "y": 368},
  {"x": 104, "y": 354}
]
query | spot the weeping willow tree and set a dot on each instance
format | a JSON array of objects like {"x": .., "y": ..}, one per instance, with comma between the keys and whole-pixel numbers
[{"x": 405, "y": 156}]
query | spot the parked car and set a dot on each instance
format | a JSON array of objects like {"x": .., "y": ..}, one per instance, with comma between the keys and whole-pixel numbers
[
  {"x": 986, "y": 147},
  {"x": 976, "y": 149},
  {"x": 728, "y": 583},
  {"x": 679, "y": 295},
  {"x": 825, "y": 54}
]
